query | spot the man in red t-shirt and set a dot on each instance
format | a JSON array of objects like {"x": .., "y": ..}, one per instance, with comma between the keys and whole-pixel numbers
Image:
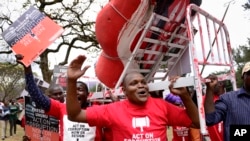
[
  {"x": 54, "y": 105},
  {"x": 216, "y": 131},
  {"x": 182, "y": 133},
  {"x": 139, "y": 117}
]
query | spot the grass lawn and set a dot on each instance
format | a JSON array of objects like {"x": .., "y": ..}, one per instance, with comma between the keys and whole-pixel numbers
[
  {"x": 17, "y": 137},
  {"x": 20, "y": 132},
  {"x": 169, "y": 134}
]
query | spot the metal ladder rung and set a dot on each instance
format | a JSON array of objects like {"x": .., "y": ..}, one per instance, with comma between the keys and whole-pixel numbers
[
  {"x": 144, "y": 70},
  {"x": 167, "y": 62},
  {"x": 155, "y": 41},
  {"x": 172, "y": 54},
  {"x": 162, "y": 18},
  {"x": 146, "y": 62},
  {"x": 157, "y": 29},
  {"x": 152, "y": 52},
  {"x": 162, "y": 70},
  {"x": 176, "y": 45},
  {"x": 157, "y": 78},
  {"x": 181, "y": 36},
  {"x": 146, "y": 51},
  {"x": 181, "y": 82}
]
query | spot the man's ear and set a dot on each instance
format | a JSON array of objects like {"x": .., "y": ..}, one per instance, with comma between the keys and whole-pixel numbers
[{"x": 123, "y": 90}]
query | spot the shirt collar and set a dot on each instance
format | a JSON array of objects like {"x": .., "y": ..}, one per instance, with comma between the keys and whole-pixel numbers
[{"x": 242, "y": 91}]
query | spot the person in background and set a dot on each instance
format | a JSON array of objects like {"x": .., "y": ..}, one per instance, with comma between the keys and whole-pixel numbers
[
  {"x": 55, "y": 92},
  {"x": 216, "y": 131},
  {"x": 139, "y": 116},
  {"x": 232, "y": 107},
  {"x": 182, "y": 133},
  {"x": 4, "y": 118},
  {"x": 14, "y": 110},
  {"x": 54, "y": 105}
]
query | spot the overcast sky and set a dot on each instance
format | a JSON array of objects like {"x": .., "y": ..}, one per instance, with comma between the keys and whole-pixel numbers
[{"x": 237, "y": 21}]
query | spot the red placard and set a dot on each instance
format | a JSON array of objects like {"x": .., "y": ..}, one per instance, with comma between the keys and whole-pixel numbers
[{"x": 31, "y": 34}]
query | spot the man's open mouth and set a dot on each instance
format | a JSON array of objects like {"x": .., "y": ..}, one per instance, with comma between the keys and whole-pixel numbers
[
  {"x": 79, "y": 98},
  {"x": 142, "y": 93}
]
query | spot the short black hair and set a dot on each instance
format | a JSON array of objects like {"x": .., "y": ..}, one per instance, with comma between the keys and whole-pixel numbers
[
  {"x": 126, "y": 75},
  {"x": 52, "y": 86}
]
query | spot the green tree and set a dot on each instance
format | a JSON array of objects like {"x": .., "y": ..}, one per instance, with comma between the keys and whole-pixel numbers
[
  {"x": 241, "y": 55},
  {"x": 12, "y": 81},
  {"x": 74, "y": 16}
]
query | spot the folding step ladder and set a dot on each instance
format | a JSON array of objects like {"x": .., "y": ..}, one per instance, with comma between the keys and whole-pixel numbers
[
  {"x": 159, "y": 50},
  {"x": 160, "y": 54}
]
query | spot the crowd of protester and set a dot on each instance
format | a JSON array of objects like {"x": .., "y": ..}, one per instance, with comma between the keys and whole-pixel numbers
[
  {"x": 110, "y": 121},
  {"x": 9, "y": 111}
]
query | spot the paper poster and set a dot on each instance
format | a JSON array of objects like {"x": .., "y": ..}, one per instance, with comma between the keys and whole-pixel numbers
[
  {"x": 39, "y": 126},
  {"x": 31, "y": 34},
  {"x": 60, "y": 76}
]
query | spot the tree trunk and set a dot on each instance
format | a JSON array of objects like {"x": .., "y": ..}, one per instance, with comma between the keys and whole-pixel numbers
[{"x": 44, "y": 66}]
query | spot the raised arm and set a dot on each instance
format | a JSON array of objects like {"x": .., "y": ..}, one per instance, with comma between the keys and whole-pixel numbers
[
  {"x": 75, "y": 113},
  {"x": 191, "y": 108},
  {"x": 36, "y": 94}
]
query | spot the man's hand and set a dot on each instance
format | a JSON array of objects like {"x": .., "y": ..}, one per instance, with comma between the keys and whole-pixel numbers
[
  {"x": 177, "y": 91},
  {"x": 26, "y": 138},
  {"x": 213, "y": 80},
  {"x": 113, "y": 96},
  {"x": 19, "y": 57},
  {"x": 74, "y": 70}
]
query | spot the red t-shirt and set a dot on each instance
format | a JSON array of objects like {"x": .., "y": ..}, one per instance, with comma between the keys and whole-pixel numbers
[
  {"x": 180, "y": 133},
  {"x": 132, "y": 122},
  {"x": 72, "y": 130},
  {"x": 216, "y": 131}
]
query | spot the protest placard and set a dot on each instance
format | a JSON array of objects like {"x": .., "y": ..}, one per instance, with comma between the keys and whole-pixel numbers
[
  {"x": 31, "y": 34},
  {"x": 60, "y": 75},
  {"x": 39, "y": 126}
]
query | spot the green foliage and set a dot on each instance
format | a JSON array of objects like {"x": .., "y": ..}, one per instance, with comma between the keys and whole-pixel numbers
[
  {"x": 12, "y": 81},
  {"x": 76, "y": 17},
  {"x": 241, "y": 55}
]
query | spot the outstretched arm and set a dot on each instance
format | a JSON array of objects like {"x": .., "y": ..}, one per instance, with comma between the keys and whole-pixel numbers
[
  {"x": 36, "y": 94},
  {"x": 191, "y": 108},
  {"x": 75, "y": 113}
]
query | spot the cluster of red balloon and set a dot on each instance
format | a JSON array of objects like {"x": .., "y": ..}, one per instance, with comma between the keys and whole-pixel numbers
[{"x": 118, "y": 27}]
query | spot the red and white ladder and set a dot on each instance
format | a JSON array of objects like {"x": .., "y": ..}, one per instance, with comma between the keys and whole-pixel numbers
[{"x": 203, "y": 37}]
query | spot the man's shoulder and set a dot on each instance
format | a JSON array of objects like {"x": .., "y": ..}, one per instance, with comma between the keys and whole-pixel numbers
[
  {"x": 231, "y": 95},
  {"x": 57, "y": 104}
]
